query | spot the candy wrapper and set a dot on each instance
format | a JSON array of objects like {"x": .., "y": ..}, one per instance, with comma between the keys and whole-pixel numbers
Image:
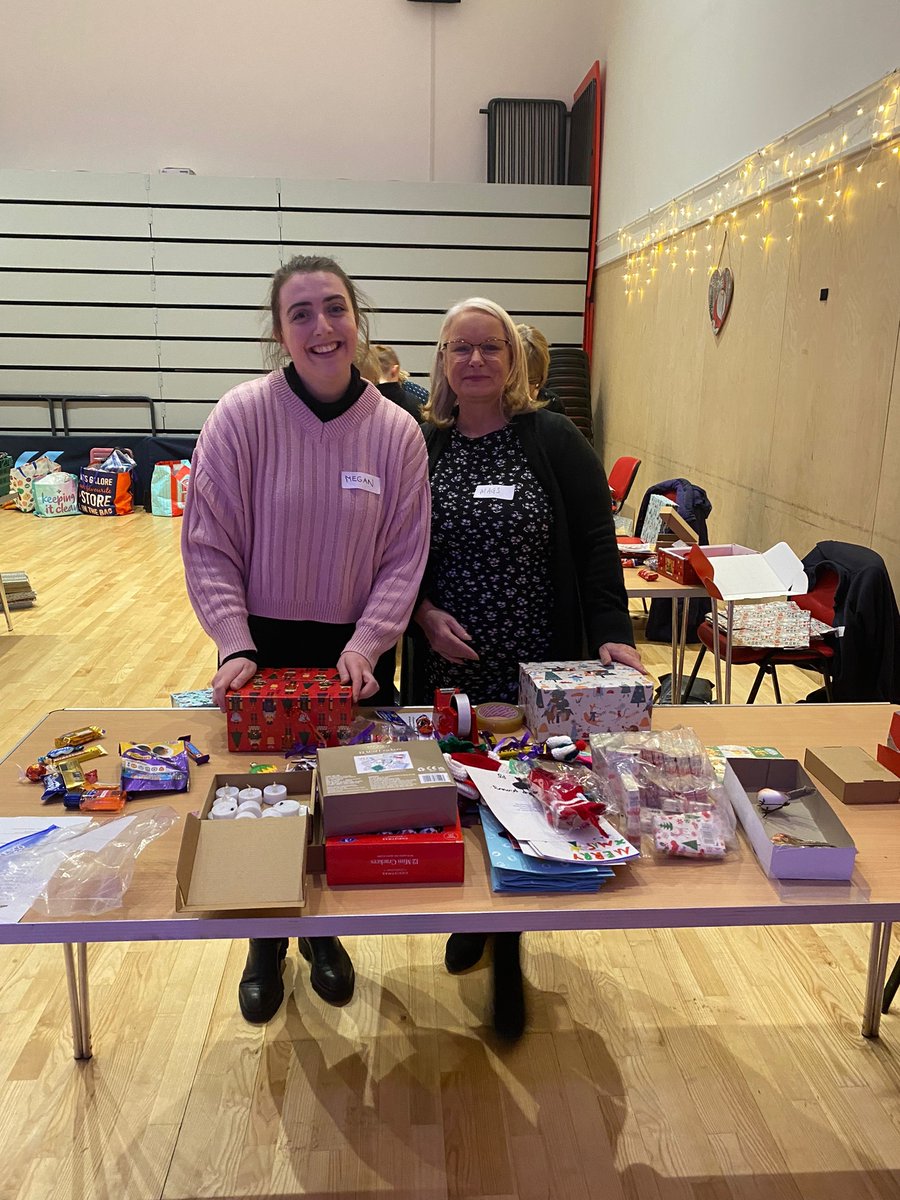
[
  {"x": 570, "y": 794},
  {"x": 156, "y": 768},
  {"x": 651, "y": 778}
]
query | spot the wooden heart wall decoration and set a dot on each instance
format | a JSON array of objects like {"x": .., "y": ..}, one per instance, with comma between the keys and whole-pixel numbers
[{"x": 721, "y": 292}]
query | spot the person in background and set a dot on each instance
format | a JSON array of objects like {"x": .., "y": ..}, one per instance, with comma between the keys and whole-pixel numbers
[
  {"x": 392, "y": 372},
  {"x": 523, "y": 565},
  {"x": 537, "y": 361},
  {"x": 370, "y": 367},
  {"x": 305, "y": 536}
]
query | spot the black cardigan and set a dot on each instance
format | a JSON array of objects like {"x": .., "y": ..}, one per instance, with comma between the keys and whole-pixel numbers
[{"x": 590, "y": 606}]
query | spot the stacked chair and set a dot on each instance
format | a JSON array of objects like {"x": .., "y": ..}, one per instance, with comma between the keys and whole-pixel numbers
[{"x": 570, "y": 378}]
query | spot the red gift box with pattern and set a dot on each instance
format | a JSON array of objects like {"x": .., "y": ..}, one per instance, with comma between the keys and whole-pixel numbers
[{"x": 286, "y": 708}]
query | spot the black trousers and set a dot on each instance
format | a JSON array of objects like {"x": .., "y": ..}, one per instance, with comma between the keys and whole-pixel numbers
[{"x": 315, "y": 644}]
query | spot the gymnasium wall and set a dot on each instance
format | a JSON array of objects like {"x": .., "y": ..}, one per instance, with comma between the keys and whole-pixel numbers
[
  {"x": 153, "y": 285},
  {"x": 790, "y": 418}
]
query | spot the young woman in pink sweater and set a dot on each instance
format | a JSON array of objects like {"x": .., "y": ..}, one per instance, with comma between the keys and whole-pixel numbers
[{"x": 305, "y": 536}]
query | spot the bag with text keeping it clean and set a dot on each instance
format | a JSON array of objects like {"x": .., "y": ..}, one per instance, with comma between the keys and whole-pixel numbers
[
  {"x": 168, "y": 487},
  {"x": 55, "y": 495},
  {"x": 107, "y": 490}
]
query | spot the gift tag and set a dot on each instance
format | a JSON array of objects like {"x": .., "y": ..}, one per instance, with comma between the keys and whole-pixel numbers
[
  {"x": 359, "y": 480},
  {"x": 495, "y": 491}
]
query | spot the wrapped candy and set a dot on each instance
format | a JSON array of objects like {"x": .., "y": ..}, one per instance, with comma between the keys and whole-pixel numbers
[{"x": 569, "y": 793}]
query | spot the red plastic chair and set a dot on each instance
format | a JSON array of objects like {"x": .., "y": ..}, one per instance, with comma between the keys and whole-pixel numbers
[
  {"x": 819, "y": 602},
  {"x": 620, "y": 479}
]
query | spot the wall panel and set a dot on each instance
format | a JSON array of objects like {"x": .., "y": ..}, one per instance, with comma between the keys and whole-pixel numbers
[
  {"x": 156, "y": 285},
  {"x": 790, "y": 418}
]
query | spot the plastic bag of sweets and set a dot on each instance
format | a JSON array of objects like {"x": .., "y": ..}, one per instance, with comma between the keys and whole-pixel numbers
[
  {"x": 153, "y": 767},
  {"x": 107, "y": 490}
]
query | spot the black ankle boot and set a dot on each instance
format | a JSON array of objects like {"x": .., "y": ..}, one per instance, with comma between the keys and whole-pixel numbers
[
  {"x": 261, "y": 990},
  {"x": 509, "y": 993},
  {"x": 331, "y": 975},
  {"x": 463, "y": 950}
]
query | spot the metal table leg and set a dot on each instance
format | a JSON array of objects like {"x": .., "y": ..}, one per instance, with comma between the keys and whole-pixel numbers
[
  {"x": 728, "y": 650},
  {"x": 717, "y": 652},
  {"x": 878, "y": 956},
  {"x": 79, "y": 1002},
  {"x": 682, "y": 648}
]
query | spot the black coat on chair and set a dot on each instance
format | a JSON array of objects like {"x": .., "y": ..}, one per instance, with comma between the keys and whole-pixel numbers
[{"x": 693, "y": 505}]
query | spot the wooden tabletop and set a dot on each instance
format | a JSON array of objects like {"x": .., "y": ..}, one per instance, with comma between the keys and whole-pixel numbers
[
  {"x": 647, "y": 894},
  {"x": 659, "y": 589}
]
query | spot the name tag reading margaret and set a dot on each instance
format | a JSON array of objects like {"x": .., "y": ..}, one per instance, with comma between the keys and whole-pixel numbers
[
  {"x": 495, "y": 491},
  {"x": 361, "y": 482}
]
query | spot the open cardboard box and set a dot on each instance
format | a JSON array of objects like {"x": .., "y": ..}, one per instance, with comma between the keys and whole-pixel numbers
[
  {"x": 852, "y": 775},
  {"x": 674, "y": 561},
  {"x": 233, "y": 866},
  {"x": 747, "y": 575},
  {"x": 889, "y": 752},
  {"x": 743, "y": 779}
]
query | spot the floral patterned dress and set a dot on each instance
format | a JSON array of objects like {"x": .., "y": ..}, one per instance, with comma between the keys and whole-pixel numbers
[{"x": 489, "y": 564}]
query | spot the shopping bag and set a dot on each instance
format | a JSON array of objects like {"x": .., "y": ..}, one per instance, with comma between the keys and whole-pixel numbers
[
  {"x": 30, "y": 466},
  {"x": 107, "y": 490},
  {"x": 168, "y": 487},
  {"x": 55, "y": 495}
]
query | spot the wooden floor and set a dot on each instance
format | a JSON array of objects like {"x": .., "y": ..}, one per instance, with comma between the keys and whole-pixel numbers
[{"x": 692, "y": 1065}]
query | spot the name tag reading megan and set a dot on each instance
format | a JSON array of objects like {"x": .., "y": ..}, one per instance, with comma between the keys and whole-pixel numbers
[
  {"x": 495, "y": 491},
  {"x": 360, "y": 481}
]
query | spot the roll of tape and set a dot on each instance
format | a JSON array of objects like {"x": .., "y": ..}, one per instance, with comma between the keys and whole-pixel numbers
[
  {"x": 497, "y": 717},
  {"x": 463, "y": 714}
]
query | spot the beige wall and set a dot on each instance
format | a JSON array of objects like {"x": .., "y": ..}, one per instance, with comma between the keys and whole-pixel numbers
[{"x": 790, "y": 418}]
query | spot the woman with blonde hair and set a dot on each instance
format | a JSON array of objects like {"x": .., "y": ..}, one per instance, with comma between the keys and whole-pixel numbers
[
  {"x": 537, "y": 360},
  {"x": 523, "y": 564}
]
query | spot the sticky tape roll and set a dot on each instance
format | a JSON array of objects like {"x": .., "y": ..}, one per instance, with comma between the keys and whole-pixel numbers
[
  {"x": 498, "y": 717},
  {"x": 463, "y": 714}
]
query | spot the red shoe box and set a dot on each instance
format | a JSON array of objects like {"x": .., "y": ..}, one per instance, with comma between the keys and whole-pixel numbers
[
  {"x": 889, "y": 754},
  {"x": 408, "y": 856},
  {"x": 282, "y": 706}
]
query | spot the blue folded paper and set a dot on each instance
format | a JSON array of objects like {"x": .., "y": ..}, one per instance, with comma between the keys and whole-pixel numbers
[{"x": 513, "y": 871}]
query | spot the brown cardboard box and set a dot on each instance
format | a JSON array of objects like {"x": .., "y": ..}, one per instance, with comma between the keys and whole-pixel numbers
[
  {"x": 384, "y": 786},
  {"x": 230, "y": 866},
  {"x": 852, "y": 775}
]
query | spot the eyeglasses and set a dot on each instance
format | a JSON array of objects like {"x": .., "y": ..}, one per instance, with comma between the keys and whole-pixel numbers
[{"x": 462, "y": 350}]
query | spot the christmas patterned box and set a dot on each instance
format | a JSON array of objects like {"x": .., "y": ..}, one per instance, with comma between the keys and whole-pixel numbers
[
  {"x": 281, "y": 708},
  {"x": 581, "y": 698}
]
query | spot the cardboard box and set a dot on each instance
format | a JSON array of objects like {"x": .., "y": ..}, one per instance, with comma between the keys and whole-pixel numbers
[
  {"x": 743, "y": 779},
  {"x": 408, "y": 856},
  {"x": 888, "y": 753},
  {"x": 233, "y": 866},
  {"x": 581, "y": 698},
  {"x": 384, "y": 785},
  {"x": 281, "y": 707},
  {"x": 852, "y": 775},
  {"x": 750, "y": 576},
  {"x": 673, "y": 561}
]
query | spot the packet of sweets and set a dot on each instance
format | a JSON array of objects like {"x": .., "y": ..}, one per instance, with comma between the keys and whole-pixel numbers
[
  {"x": 104, "y": 798},
  {"x": 153, "y": 768},
  {"x": 78, "y": 737}
]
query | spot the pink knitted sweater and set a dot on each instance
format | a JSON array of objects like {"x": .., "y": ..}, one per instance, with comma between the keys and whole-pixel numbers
[{"x": 291, "y": 517}]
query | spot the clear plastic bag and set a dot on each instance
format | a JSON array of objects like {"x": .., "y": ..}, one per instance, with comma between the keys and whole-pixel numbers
[
  {"x": 83, "y": 871},
  {"x": 569, "y": 793},
  {"x": 663, "y": 788}
]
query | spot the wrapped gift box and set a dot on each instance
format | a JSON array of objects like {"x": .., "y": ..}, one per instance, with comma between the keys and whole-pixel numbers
[
  {"x": 435, "y": 855},
  {"x": 283, "y": 707},
  {"x": 581, "y": 698}
]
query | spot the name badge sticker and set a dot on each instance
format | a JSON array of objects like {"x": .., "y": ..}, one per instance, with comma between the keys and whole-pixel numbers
[
  {"x": 495, "y": 491},
  {"x": 359, "y": 481}
]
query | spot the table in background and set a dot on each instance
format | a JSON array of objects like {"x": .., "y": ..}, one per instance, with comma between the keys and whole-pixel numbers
[
  {"x": 650, "y": 894},
  {"x": 662, "y": 588}
]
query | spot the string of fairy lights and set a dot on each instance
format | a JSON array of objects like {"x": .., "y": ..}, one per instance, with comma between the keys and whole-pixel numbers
[{"x": 824, "y": 166}]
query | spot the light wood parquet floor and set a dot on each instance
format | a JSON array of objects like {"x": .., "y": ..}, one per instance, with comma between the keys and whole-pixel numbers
[{"x": 658, "y": 1065}]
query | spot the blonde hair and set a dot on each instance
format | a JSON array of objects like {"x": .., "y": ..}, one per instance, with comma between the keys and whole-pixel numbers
[
  {"x": 537, "y": 354},
  {"x": 514, "y": 398},
  {"x": 367, "y": 363},
  {"x": 387, "y": 358}
]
